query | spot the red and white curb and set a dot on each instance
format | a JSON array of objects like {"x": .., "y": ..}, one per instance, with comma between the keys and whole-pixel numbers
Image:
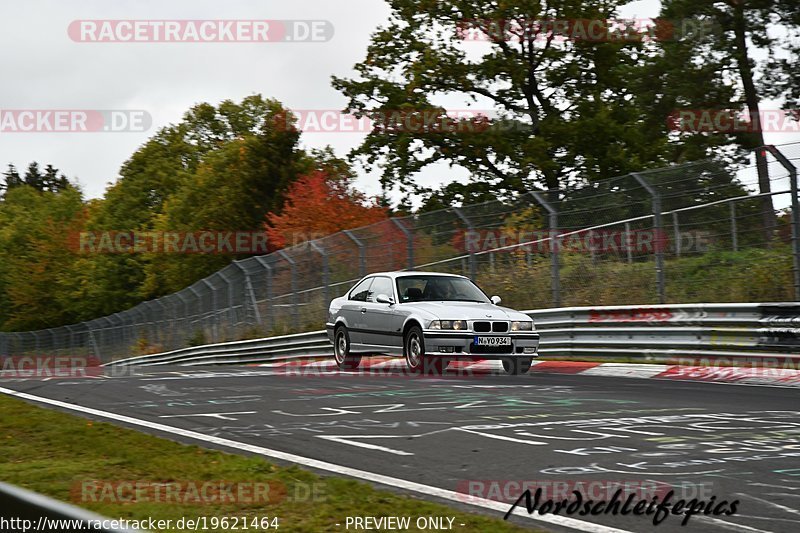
[{"x": 783, "y": 377}]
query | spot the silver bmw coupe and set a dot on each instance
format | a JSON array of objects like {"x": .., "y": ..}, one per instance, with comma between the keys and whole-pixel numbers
[{"x": 430, "y": 319}]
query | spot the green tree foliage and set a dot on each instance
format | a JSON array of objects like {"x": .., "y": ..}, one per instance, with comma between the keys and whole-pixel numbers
[
  {"x": 734, "y": 33},
  {"x": 565, "y": 108},
  {"x": 35, "y": 257}
]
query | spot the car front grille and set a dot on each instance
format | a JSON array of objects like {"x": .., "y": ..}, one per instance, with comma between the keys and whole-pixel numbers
[
  {"x": 482, "y": 327},
  {"x": 499, "y": 327},
  {"x": 485, "y": 326}
]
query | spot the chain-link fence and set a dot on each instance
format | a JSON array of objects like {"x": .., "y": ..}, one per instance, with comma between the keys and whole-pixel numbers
[{"x": 687, "y": 233}]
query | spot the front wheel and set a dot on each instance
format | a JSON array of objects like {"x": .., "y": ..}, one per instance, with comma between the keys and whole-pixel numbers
[
  {"x": 341, "y": 350},
  {"x": 416, "y": 359},
  {"x": 517, "y": 365}
]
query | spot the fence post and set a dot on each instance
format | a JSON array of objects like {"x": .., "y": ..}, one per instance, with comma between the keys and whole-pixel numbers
[
  {"x": 249, "y": 293},
  {"x": 214, "y": 307},
  {"x": 326, "y": 283},
  {"x": 628, "y": 246},
  {"x": 658, "y": 227},
  {"x": 473, "y": 269},
  {"x": 231, "y": 311},
  {"x": 293, "y": 267},
  {"x": 734, "y": 232},
  {"x": 795, "y": 214},
  {"x": 270, "y": 310},
  {"x": 676, "y": 228},
  {"x": 409, "y": 242},
  {"x": 362, "y": 261},
  {"x": 555, "y": 273}
]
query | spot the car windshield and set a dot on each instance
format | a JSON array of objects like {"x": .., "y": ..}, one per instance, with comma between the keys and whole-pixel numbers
[{"x": 422, "y": 288}]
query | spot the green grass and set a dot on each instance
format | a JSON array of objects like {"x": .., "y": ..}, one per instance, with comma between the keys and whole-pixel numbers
[{"x": 49, "y": 452}]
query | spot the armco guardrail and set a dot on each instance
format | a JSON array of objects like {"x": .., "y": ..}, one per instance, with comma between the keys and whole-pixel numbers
[
  {"x": 654, "y": 331},
  {"x": 23, "y": 510}
]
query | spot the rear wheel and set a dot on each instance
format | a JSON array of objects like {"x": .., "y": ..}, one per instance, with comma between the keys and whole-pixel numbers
[
  {"x": 341, "y": 350},
  {"x": 416, "y": 359},
  {"x": 517, "y": 365}
]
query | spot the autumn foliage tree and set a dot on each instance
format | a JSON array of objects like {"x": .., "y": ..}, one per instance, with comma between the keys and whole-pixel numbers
[{"x": 319, "y": 204}]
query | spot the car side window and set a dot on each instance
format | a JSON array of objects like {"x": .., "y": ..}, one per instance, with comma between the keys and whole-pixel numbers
[
  {"x": 381, "y": 285},
  {"x": 361, "y": 291},
  {"x": 410, "y": 289}
]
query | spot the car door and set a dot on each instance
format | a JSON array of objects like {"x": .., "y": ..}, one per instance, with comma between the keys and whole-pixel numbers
[
  {"x": 354, "y": 310},
  {"x": 383, "y": 323}
]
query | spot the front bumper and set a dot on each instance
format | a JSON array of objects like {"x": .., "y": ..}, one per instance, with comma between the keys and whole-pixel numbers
[{"x": 461, "y": 344}]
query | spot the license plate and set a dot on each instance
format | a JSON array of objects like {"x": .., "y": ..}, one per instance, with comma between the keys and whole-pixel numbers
[{"x": 493, "y": 341}]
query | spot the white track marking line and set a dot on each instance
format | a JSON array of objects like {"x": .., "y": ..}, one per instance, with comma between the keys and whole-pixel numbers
[
  {"x": 730, "y": 525},
  {"x": 768, "y": 503},
  {"x": 412, "y": 486},
  {"x": 345, "y": 439}
]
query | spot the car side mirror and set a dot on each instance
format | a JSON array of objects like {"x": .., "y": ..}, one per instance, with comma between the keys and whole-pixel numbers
[
  {"x": 496, "y": 300},
  {"x": 383, "y": 299}
]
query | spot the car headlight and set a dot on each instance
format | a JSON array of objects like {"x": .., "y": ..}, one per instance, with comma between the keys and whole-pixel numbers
[
  {"x": 522, "y": 326},
  {"x": 448, "y": 324}
]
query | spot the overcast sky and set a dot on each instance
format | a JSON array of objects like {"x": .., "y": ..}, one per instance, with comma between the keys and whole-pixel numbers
[{"x": 44, "y": 69}]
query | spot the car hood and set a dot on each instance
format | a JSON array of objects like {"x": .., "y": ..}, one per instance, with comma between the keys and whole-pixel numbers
[{"x": 469, "y": 311}]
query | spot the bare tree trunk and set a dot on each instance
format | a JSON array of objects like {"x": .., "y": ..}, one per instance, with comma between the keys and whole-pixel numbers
[{"x": 752, "y": 101}]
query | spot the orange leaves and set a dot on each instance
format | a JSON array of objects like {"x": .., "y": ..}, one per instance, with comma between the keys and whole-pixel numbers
[{"x": 317, "y": 205}]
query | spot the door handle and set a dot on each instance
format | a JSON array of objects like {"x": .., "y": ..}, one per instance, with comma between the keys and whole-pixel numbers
[{"x": 363, "y": 309}]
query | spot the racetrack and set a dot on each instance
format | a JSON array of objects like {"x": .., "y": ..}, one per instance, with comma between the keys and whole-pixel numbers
[{"x": 482, "y": 434}]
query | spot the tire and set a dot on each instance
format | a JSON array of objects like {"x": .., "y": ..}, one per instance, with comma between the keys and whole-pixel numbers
[
  {"x": 517, "y": 365},
  {"x": 341, "y": 350},
  {"x": 416, "y": 360}
]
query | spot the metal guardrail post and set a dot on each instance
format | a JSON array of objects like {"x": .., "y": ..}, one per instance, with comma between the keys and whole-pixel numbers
[
  {"x": 293, "y": 267},
  {"x": 734, "y": 231},
  {"x": 473, "y": 268},
  {"x": 555, "y": 270},
  {"x": 658, "y": 227},
  {"x": 409, "y": 242},
  {"x": 795, "y": 214},
  {"x": 326, "y": 282},
  {"x": 362, "y": 261}
]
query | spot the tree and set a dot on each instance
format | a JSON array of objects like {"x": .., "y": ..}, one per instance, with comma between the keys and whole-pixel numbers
[
  {"x": 222, "y": 167},
  {"x": 12, "y": 179},
  {"x": 566, "y": 108},
  {"x": 319, "y": 204},
  {"x": 34, "y": 177},
  {"x": 36, "y": 273},
  {"x": 53, "y": 181},
  {"x": 736, "y": 29}
]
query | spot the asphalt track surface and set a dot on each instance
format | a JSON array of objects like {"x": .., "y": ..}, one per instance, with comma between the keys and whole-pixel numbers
[{"x": 481, "y": 435}]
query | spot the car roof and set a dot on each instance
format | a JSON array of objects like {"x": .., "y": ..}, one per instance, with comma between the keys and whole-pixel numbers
[{"x": 402, "y": 273}]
